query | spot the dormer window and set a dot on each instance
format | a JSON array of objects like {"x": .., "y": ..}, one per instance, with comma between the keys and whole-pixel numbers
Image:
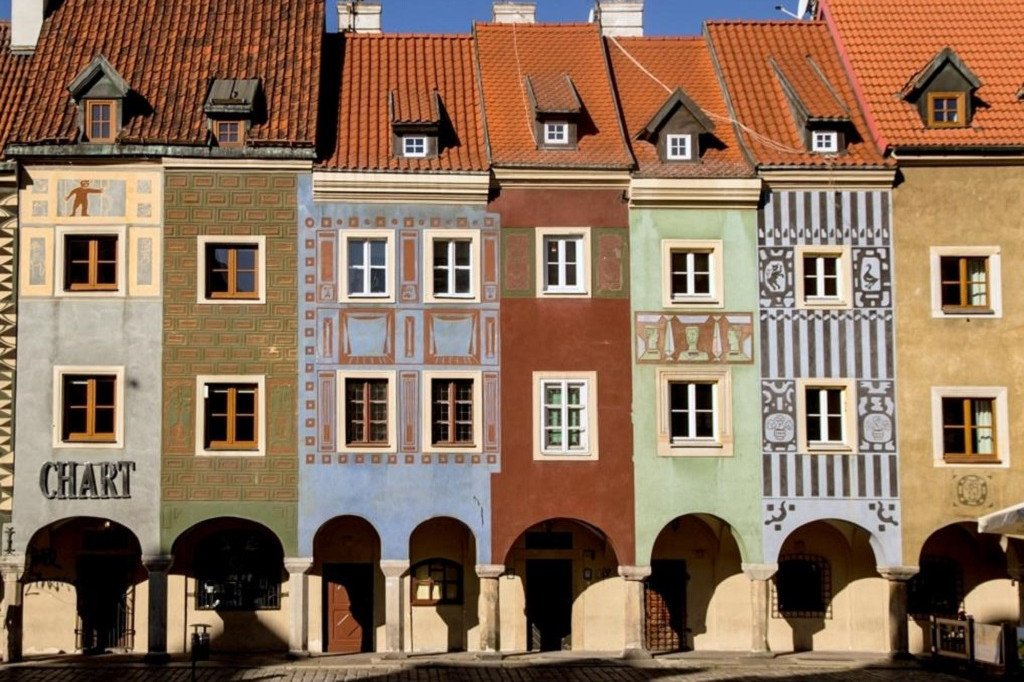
[
  {"x": 679, "y": 147},
  {"x": 556, "y": 132},
  {"x": 414, "y": 146},
  {"x": 231, "y": 105},
  {"x": 825, "y": 141},
  {"x": 945, "y": 109},
  {"x": 229, "y": 133},
  {"x": 100, "y": 93}
]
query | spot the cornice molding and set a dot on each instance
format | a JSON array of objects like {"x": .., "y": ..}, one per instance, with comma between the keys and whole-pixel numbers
[
  {"x": 394, "y": 188},
  {"x": 172, "y": 163},
  {"x": 967, "y": 159},
  {"x": 824, "y": 178},
  {"x": 561, "y": 178},
  {"x": 695, "y": 192}
]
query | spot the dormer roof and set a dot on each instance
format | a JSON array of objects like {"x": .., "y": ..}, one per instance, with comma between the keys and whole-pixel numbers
[
  {"x": 677, "y": 99},
  {"x": 946, "y": 57},
  {"x": 553, "y": 95},
  {"x": 98, "y": 79},
  {"x": 413, "y": 106},
  {"x": 232, "y": 96},
  {"x": 808, "y": 91}
]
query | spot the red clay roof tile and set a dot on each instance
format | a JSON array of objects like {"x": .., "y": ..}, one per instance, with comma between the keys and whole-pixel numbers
[
  {"x": 14, "y": 71},
  {"x": 745, "y": 50},
  {"x": 887, "y": 42},
  {"x": 507, "y": 53},
  {"x": 169, "y": 52},
  {"x": 414, "y": 66},
  {"x": 647, "y": 72}
]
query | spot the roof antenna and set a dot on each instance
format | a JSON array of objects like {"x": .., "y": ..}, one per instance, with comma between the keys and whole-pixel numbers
[{"x": 801, "y": 10}]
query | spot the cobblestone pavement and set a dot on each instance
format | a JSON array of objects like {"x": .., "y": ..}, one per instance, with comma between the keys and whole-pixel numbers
[{"x": 721, "y": 669}]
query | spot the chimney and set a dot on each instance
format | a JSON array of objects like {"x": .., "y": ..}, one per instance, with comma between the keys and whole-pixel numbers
[
  {"x": 620, "y": 17},
  {"x": 514, "y": 12},
  {"x": 26, "y": 22},
  {"x": 359, "y": 17}
]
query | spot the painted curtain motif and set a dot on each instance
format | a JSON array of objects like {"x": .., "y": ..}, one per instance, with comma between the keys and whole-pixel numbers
[{"x": 695, "y": 338}]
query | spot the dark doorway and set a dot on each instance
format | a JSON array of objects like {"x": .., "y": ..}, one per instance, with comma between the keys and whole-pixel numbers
[
  {"x": 348, "y": 607},
  {"x": 665, "y": 606},
  {"x": 549, "y": 604},
  {"x": 106, "y": 599}
]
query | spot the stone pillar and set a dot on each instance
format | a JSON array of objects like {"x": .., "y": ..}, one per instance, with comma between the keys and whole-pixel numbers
[
  {"x": 157, "y": 566},
  {"x": 899, "y": 638},
  {"x": 487, "y": 606},
  {"x": 12, "y": 566},
  {"x": 634, "y": 576},
  {"x": 759, "y": 575},
  {"x": 394, "y": 603},
  {"x": 298, "y": 598},
  {"x": 1017, "y": 575}
]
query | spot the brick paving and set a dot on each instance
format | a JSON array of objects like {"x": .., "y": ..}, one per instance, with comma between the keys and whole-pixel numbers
[{"x": 442, "y": 669}]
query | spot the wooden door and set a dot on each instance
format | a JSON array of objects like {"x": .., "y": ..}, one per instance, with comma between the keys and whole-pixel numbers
[
  {"x": 549, "y": 604},
  {"x": 348, "y": 608}
]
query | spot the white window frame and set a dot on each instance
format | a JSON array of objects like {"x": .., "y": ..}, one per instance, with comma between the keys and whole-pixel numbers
[
  {"x": 345, "y": 243},
  {"x": 721, "y": 445},
  {"x": 582, "y": 286},
  {"x": 431, "y": 238},
  {"x": 589, "y": 449},
  {"x": 679, "y": 147},
  {"x": 848, "y": 404},
  {"x": 59, "y": 371},
  {"x": 261, "y": 413},
  {"x": 713, "y": 247},
  {"x": 410, "y": 144},
  {"x": 63, "y": 232},
  {"x": 825, "y": 141},
  {"x": 995, "y": 295},
  {"x": 844, "y": 277},
  {"x": 259, "y": 241},
  {"x": 426, "y": 415},
  {"x": 556, "y": 132},
  {"x": 998, "y": 396},
  {"x": 392, "y": 438}
]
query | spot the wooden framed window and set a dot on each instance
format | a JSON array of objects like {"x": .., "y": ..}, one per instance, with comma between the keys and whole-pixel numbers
[
  {"x": 964, "y": 282},
  {"x": 691, "y": 272},
  {"x": 563, "y": 255},
  {"x": 436, "y": 582},
  {"x": 803, "y": 587},
  {"x": 367, "y": 263},
  {"x": 453, "y": 267},
  {"x": 821, "y": 277},
  {"x": 366, "y": 412},
  {"x": 692, "y": 411},
  {"x": 556, "y": 133},
  {"x": 679, "y": 147},
  {"x": 232, "y": 271},
  {"x": 452, "y": 410},
  {"x": 231, "y": 416},
  {"x": 414, "y": 146},
  {"x": 969, "y": 430},
  {"x": 946, "y": 109},
  {"x": 827, "y": 413},
  {"x": 90, "y": 262},
  {"x": 99, "y": 120},
  {"x": 89, "y": 408},
  {"x": 825, "y": 141},
  {"x": 229, "y": 133},
  {"x": 565, "y": 409}
]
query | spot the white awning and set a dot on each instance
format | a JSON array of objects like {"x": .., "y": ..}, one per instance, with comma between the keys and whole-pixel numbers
[{"x": 1008, "y": 521}]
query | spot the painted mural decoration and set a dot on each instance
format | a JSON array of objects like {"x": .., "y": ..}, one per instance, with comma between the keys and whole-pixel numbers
[
  {"x": 694, "y": 338},
  {"x": 129, "y": 195}
]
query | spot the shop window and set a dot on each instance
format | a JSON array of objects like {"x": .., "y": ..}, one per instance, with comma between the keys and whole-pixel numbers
[
  {"x": 238, "y": 571},
  {"x": 436, "y": 582}
]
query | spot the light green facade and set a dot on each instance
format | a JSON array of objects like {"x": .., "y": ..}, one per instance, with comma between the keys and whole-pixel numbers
[{"x": 727, "y": 488}]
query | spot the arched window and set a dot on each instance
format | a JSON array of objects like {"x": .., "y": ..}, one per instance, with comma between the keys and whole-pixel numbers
[
  {"x": 938, "y": 590},
  {"x": 803, "y": 587},
  {"x": 435, "y": 582},
  {"x": 238, "y": 571}
]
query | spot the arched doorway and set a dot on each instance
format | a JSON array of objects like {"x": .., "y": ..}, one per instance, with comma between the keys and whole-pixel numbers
[
  {"x": 562, "y": 589},
  {"x": 444, "y": 589},
  {"x": 961, "y": 572},
  {"x": 827, "y": 593},
  {"x": 696, "y": 596},
  {"x": 80, "y": 587},
  {"x": 227, "y": 574},
  {"x": 346, "y": 562}
]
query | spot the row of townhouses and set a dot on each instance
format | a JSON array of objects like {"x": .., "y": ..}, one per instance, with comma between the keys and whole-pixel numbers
[{"x": 544, "y": 336}]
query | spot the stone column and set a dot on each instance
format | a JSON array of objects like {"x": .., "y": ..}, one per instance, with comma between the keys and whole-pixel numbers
[
  {"x": 157, "y": 566},
  {"x": 1017, "y": 575},
  {"x": 298, "y": 598},
  {"x": 12, "y": 566},
  {"x": 394, "y": 603},
  {"x": 634, "y": 576},
  {"x": 487, "y": 606},
  {"x": 899, "y": 638},
  {"x": 759, "y": 575}
]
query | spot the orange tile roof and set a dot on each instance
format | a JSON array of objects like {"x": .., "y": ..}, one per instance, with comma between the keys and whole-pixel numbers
[
  {"x": 13, "y": 80},
  {"x": 415, "y": 104},
  {"x": 745, "y": 52},
  {"x": 168, "y": 52},
  {"x": 414, "y": 66},
  {"x": 554, "y": 92},
  {"x": 508, "y": 53},
  {"x": 646, "y": 72},
  {"x": 887, "y": 42}
]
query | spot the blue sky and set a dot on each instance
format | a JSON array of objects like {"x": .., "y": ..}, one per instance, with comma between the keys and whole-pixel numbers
[{"x": 661, "y": 17}]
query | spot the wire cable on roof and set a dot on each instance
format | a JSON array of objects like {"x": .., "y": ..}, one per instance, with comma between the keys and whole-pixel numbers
[{"x": 522, "y": 84}]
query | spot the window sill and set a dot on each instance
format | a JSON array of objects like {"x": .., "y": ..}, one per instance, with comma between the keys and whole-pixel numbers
[
  {"x": 383, "y": 448},
  {"x": 971, "y": 459},
  {"x": 829, "y": 448},
  {"x": 101, "y": 444},
  {"x": 959, "y": 311},
  {"x": 695, "y": 449},
  {"x": 229, "y": 453},
  {"x": 825, "y": 303},
  {"x": 694, "y": 300},
  {"x": 565, "y": 456},
  {"x": 564, "y": 293}
]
